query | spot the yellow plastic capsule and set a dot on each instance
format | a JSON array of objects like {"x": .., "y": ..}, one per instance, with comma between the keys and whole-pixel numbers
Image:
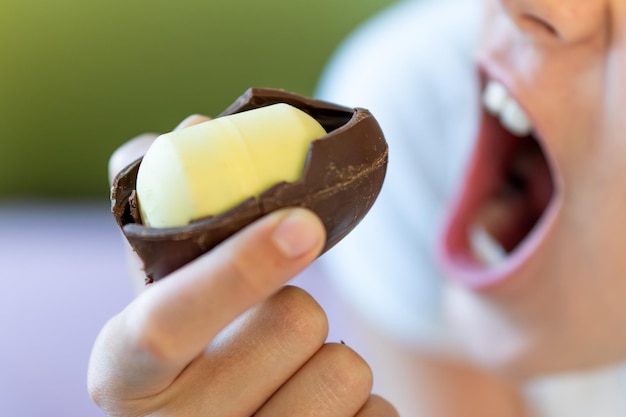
[{"x": 210, "y": 167}]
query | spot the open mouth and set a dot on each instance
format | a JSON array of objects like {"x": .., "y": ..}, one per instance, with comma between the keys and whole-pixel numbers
[{"x": 507, "y": 199}]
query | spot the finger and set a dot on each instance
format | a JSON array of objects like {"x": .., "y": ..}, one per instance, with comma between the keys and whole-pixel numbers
[
  {"x": 194, "y": 119},
  {"x": 129, "y": 152},
  {"x": 252, "y": 357},
  {"x": 377, "y": 406},
  {"x": 335, "y": 382},
  {"x": 165, "y": 328}
]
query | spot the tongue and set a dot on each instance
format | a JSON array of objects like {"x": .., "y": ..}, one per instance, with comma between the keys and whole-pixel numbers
[
  {"x": 504, "y": 217},
  {"x": 508, "y": 214}
]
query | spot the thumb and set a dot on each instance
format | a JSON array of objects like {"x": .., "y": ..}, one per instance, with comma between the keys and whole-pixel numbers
[{"x": 141, "y": 351}]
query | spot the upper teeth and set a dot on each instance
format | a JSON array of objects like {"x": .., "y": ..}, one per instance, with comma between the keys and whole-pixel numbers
[{"x": 498, "y": 102}]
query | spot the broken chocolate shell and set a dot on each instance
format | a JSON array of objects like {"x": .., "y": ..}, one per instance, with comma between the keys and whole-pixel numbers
[{"x": 343, "y": 175}]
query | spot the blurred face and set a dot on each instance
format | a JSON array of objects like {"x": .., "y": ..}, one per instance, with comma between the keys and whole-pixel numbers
[{"x": 536, "y": 244}]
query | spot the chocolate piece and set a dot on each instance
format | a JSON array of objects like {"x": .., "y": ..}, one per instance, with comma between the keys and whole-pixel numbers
[{"x": 343, "y": 175}]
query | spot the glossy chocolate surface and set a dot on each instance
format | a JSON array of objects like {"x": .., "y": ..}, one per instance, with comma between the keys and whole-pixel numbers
[{"x": 343, "y": 175}]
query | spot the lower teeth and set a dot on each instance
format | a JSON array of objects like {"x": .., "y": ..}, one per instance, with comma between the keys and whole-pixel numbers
[{"x": 485, "y": 248}]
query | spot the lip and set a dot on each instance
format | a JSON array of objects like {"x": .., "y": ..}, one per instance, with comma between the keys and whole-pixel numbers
[{"x": 454, "y": 252}]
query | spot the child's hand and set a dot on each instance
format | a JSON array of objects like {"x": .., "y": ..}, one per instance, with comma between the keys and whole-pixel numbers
[{"x": 223, "y": 337}]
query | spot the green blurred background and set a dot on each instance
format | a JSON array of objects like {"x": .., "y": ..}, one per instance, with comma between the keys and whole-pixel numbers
[{"x": 78, "y": 78}]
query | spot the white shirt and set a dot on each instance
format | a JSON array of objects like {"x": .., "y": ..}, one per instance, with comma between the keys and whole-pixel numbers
[{"x": 412, "y": 66}]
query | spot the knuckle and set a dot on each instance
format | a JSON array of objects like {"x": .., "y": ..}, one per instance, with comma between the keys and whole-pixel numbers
[
  {"x": 245, "y": 275},
  {"x": 152, "y": 344},
  {"x": 147, "y": 334}
]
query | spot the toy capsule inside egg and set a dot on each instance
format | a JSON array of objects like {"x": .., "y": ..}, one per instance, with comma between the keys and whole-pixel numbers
[{"x": 269, "y": 150}]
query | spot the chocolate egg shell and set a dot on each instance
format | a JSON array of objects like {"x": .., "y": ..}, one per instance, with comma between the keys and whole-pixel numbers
[{"x": 343, "y": 175}]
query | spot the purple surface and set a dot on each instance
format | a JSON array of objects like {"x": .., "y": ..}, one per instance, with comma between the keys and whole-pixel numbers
[{"x": 62, "y": 275}]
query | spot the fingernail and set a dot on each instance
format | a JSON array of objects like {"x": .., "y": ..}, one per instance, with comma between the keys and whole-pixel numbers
[{"x": 298, "y": 233}]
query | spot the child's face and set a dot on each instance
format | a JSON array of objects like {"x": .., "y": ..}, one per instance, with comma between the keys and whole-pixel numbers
[{"x": 556, "y": 298}]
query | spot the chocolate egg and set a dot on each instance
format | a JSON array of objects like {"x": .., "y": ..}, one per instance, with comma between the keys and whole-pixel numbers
[{"x": 343, "y": 175}]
